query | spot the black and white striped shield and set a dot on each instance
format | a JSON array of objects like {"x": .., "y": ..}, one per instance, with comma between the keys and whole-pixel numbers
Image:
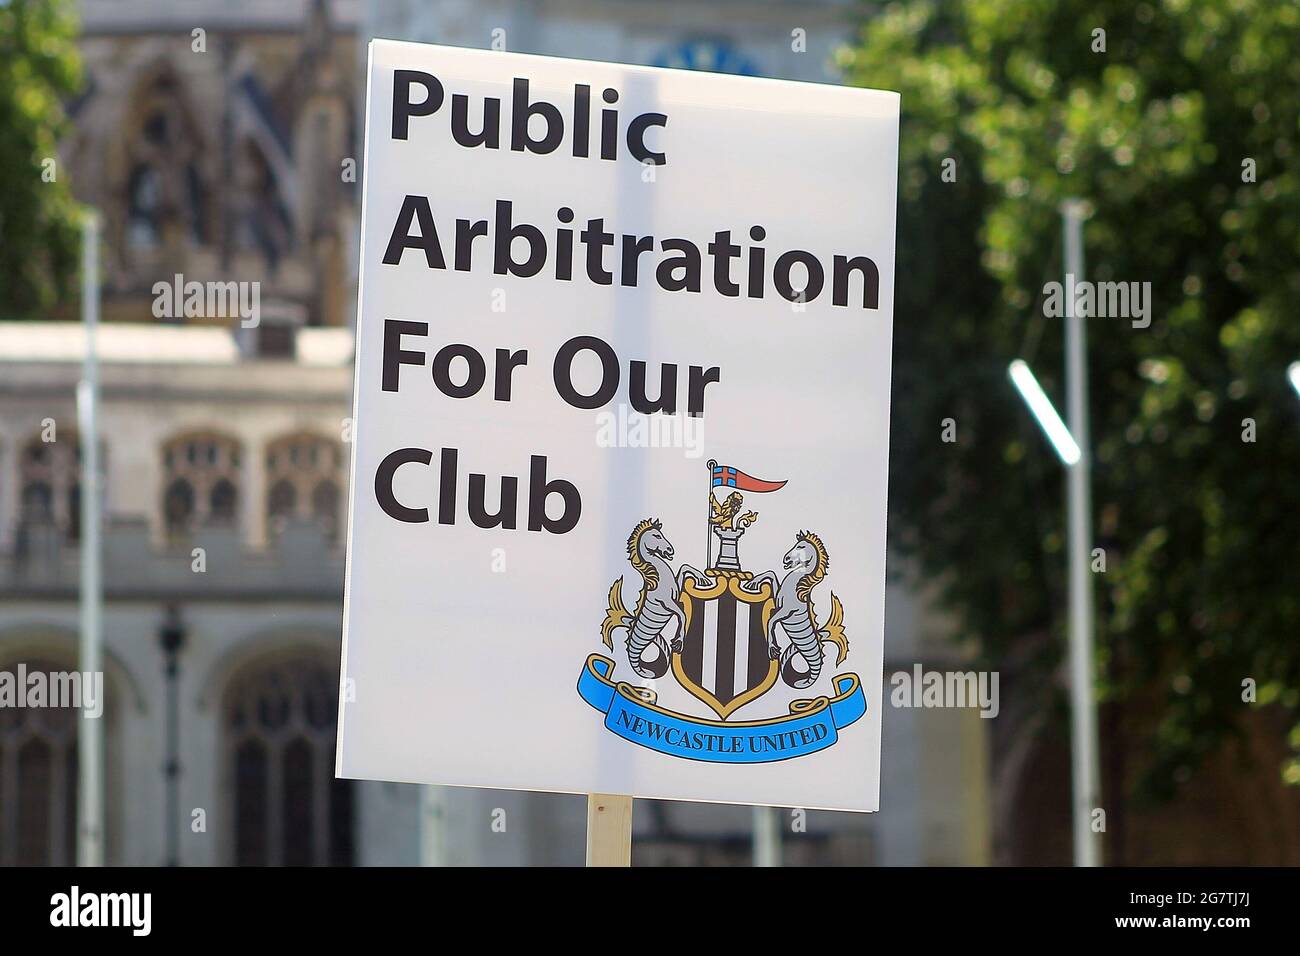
[{"x": 724, "y": 659}]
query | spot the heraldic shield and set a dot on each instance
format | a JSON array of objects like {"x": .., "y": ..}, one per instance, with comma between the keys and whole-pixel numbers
[{"x": 724, "y": 659}]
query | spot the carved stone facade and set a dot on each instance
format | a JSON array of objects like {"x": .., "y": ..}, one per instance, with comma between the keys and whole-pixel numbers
[{"x": 221, "y": 153}]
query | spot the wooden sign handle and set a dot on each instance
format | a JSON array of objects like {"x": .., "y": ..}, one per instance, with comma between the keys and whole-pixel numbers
[{"x": 609, "y": 830}]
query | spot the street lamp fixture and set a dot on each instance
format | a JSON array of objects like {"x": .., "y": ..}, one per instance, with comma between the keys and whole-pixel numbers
[{"x": 1044, "y": 413}]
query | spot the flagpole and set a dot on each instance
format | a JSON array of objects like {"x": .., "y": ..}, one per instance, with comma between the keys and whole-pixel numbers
[
  {"x": 708, "y": 522},
  {"x": 767, "y": 837},
  {"x": 1085, "y": 778},
  {"x": 433, "y": 826},
  {"x": 90, "y": 740}
]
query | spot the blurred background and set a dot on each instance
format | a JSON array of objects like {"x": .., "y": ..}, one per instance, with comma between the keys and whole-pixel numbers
[{"x": 221, "y": 141}]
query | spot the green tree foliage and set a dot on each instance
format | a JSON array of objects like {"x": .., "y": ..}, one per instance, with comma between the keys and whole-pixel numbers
[
  {"x": 38, "y": 237},
  {"x": 1201, "y": 529}
]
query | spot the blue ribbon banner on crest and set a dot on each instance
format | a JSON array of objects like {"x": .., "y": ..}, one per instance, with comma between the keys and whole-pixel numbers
[{"x": 632, "y": 713}]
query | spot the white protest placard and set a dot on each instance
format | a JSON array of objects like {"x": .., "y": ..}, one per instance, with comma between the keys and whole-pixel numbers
[{"x": 621, "y": 431}]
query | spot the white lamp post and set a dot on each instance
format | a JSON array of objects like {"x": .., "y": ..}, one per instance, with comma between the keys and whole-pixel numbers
[
  {"x": 90, "y": 736},
  {"x": 1071, "y": 444}
]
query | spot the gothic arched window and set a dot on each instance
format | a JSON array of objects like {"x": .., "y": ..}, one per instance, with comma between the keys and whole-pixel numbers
[
  {"x": 38, "y": 781},
  {"x": 201, "y": 475},
  {"x": 38, "y": 503},
  {"x": 325, "y": 502},
  {"x": 304, "y": 473},
  {"x": 287, "y": 807},
  {"x": 49, "y": 481},
  {"x": 164, "y": 186},
  {"x": 223, "y": 502},
  {"x": 281, "y": 502}
]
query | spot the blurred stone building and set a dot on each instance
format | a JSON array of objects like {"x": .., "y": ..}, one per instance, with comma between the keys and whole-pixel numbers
[
  {"x": 212, "y": 137},
  {"x": 223, "y": 477},
  {"x": 215, "y": 139}
]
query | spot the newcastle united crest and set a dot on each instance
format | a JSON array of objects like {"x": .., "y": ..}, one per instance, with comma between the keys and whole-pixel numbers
[{"x": 727, "y": 635}]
